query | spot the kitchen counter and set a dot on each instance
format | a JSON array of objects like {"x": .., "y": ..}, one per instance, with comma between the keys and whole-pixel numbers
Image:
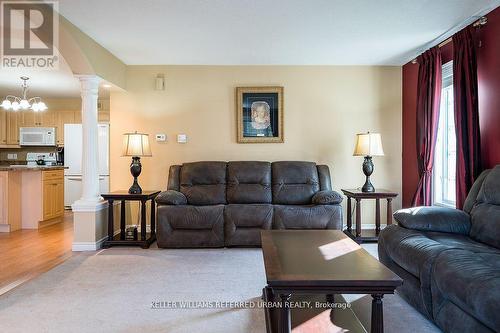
[
  {"x": 31, "y": 168},
  {"x": 31, "y": 197}
]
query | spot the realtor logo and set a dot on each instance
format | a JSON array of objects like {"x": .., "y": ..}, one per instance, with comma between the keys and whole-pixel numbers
[{"x": 30, "y": 35}]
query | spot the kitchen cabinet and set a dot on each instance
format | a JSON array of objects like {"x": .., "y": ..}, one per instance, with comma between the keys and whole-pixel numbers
[
  {"x": 13, "y": 124},
  {"x": 38, "y": 119},
  {"x": 10, "y": 122},
  {"x": 3, "y": 127},
  {"x": 30, "y": 198},
  {"x": 78, "y": 117},
  {"x": 103, "y": 116},
  {"x": 52, "y": 194},
  {"x": 63, "y": 117}
]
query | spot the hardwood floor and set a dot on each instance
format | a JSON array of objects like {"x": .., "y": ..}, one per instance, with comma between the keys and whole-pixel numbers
[{"x": 25, "y": 254}]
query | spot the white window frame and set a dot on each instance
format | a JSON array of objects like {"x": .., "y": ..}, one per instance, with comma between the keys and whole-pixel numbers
[{"x": 439, "y": 175}]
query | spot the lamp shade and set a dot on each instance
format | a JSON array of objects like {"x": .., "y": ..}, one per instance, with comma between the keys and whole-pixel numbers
[
  {"x": 368, "y": 144},
  {"x": 136, "y": 144}
]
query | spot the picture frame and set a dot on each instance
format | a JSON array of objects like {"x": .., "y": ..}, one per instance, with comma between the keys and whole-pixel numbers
[{"x": 259, "y": 114}]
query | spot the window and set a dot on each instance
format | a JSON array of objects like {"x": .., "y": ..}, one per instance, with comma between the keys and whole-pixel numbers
[{"x": 445, "y": 152}]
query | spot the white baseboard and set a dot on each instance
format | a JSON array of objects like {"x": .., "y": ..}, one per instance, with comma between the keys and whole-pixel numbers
[
  {"x": 4, "y": 227},
  {"x": 90, "y": 246}
]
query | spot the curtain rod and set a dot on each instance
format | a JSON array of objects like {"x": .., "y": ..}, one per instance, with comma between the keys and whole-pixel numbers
[{"x": 477, "y": 24}]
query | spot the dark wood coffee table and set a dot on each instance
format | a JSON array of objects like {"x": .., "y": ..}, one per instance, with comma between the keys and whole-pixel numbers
[{"x": 322, "y": 262}]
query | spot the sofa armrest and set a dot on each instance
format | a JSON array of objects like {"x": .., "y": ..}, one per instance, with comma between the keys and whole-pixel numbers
[
  {"x": 438, "y": 219},
  {"x": 171, "y": 197},
  {"x": 327, "y": 197}
]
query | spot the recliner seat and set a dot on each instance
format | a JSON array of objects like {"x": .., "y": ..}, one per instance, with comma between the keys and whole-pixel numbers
[{"x": 450, "y": 259}]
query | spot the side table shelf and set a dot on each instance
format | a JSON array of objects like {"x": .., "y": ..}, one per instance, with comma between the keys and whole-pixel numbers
[{"x": 145, "y": 239}]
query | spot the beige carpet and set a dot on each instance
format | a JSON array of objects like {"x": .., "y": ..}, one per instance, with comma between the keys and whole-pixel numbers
[{"x": 113, "y": 291}]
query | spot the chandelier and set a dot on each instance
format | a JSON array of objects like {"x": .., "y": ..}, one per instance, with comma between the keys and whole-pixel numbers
[{"x": 23, "y": 103}]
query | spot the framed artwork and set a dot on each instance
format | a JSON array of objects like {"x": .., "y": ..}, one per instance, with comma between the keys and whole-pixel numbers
[{"x": 259, "y": 113}]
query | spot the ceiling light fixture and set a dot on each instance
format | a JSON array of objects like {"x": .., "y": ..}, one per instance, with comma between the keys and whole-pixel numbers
[{"x": 15, "y": 103}]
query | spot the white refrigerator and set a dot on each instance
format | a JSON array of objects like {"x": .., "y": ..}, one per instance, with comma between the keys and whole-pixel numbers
[{"x": 73, "y": 161}]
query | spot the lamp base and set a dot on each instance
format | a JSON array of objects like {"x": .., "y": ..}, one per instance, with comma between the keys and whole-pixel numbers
[
  {"x": 368, "y": 170},
  {"x": 135, "y": 170}
]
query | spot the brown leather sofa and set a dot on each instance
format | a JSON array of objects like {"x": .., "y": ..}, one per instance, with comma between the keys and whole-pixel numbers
[{"x": 216, "y": 204}]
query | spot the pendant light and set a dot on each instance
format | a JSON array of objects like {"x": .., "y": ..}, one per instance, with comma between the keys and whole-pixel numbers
[{"x": 15, "y": 103}]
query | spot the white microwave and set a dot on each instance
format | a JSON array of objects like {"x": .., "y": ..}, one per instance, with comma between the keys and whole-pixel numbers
[{"x": 37, "y": 136}]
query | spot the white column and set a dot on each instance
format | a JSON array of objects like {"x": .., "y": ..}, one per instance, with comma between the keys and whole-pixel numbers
[{"x": 90, "y": 164}]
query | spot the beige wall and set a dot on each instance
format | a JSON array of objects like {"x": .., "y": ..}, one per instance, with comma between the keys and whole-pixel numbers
[{"x": 324, "y": 108}]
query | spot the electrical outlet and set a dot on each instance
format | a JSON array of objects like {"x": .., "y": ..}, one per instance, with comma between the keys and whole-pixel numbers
[{"x": 12, "y": 156}]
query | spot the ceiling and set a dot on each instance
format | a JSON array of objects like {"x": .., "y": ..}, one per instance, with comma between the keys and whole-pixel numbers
[
  {"x": 267, "y": 32},
  {"x": 251, "y": 32}
]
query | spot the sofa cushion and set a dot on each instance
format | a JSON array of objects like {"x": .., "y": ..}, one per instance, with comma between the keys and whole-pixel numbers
[
  {"x": 243, "y": 223},
  {"x": 249, "y": 182},
  {"x": 307, "y": 217},
  {"x": 190, "y": 226},
  {"x": 440, "y": 219},
  {"x": 171, "y": 197},
  {"x": 486, "y": 224},
  {"x": 294, "y": 183},
  {"x": 204, "y": 183},
  {"x": 486, "y": 211},
  {"x": 471, "y": 281},
  {"x": 411, "y": 249},
  {"x": 327, "y": 198}
]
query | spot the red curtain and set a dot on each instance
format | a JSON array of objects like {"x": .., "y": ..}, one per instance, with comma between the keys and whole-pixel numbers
[
  {"x": 466, "y": 112},
  {"x": 428, "y": 100}
]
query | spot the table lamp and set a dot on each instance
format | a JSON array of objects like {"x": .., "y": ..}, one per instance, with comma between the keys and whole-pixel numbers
[
  {"x": 368, "y": 145},
  {"x": 136, "y": 145}
]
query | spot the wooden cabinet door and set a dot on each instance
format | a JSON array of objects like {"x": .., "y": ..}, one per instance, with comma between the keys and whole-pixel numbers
[
  {"x": 78, "y": 116},
  {"x": 103, "y": 116},
  {"x": 13, "y": 124},
  {"x": 53, "y": 194},
  {"x": 48, "y": 204},
  {"x": 59, "y": 198},
  {"x": 28, "y": 118},
  {"x": 3, "y": 127},
  {"x": 63, "y": 117},
  {"x": 47, "y": 118}
]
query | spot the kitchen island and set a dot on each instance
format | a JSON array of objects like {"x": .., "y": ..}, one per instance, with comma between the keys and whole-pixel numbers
[{"x": 31, "y": 197}]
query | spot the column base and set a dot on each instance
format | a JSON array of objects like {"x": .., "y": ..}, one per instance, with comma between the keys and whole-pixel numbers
[
  {"x": 89, "y": 205},
  {"x": 90, "y": 224}
]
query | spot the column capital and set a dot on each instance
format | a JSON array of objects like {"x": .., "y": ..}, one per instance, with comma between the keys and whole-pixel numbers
[{"x": 89, "y": 82}]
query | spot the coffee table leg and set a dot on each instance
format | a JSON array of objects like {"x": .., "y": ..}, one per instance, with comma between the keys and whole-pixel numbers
[
  {"x": 330, "y": 298},
  {"x": 377, "y": 314},
  {"x": 285, "y": 320}
]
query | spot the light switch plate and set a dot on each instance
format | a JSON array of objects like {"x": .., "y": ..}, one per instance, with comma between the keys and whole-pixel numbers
[
  {"x": 161, "y": 137},
  {"x": 181, "y": 138},
  {"x": 12, "y": 156}
]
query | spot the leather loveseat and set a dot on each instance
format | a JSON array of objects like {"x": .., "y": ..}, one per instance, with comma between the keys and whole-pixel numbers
[
  {"x": 450, "y": 259},
  {"x": 216, "y": 204}
]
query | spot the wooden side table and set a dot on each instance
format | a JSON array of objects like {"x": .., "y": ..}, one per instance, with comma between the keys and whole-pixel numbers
[
  {"x": 367, "y": 235},
  {"x": 145, "y": 239}
]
